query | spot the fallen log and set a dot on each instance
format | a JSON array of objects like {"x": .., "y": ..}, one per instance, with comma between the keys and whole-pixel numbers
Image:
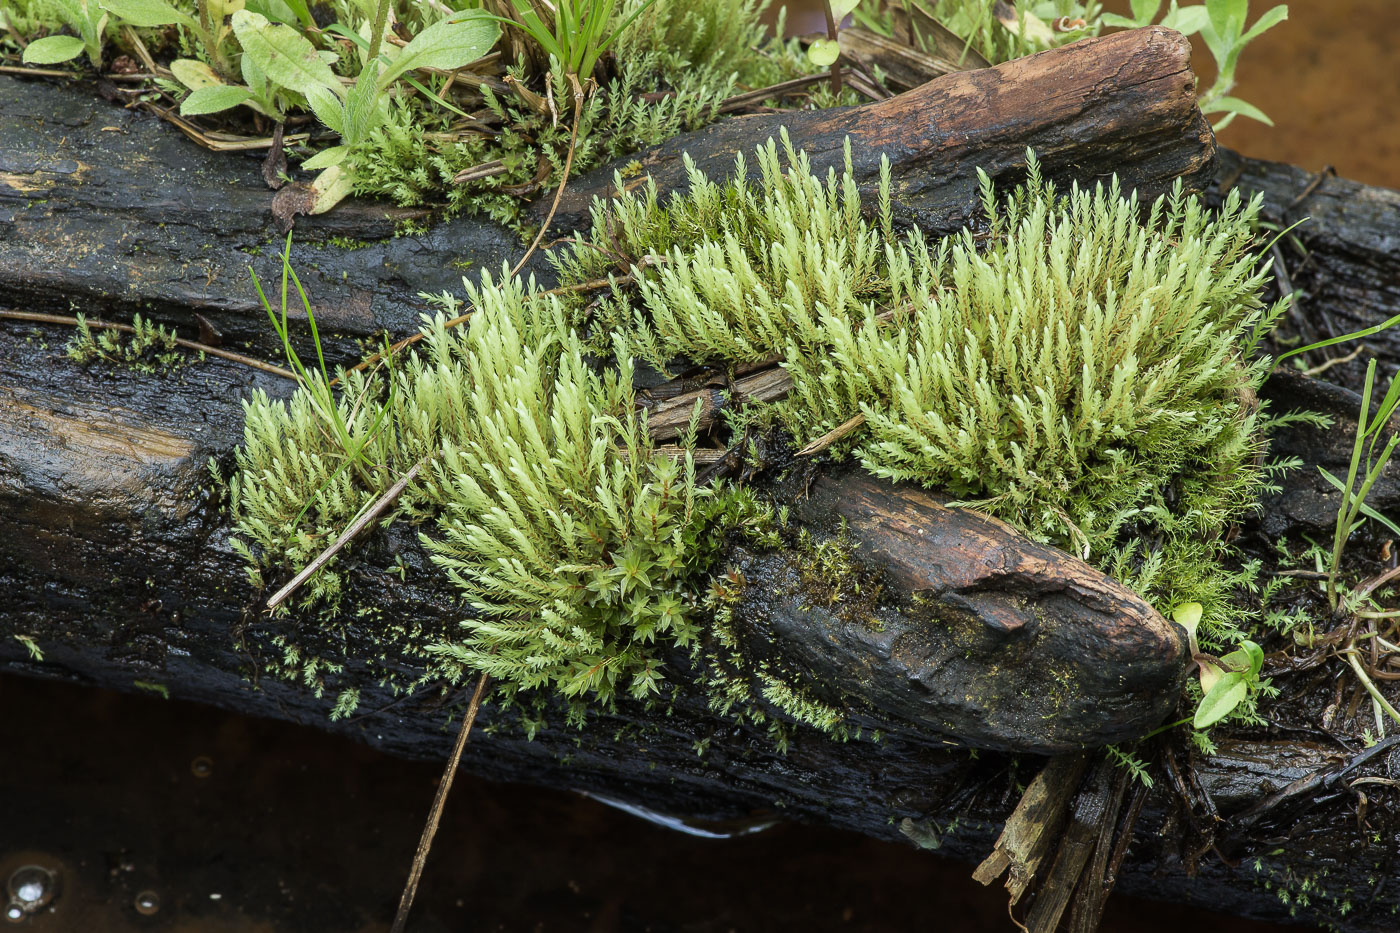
[
  {"x": 117, "y": 563},
  {"x": 109, "y": 209}
]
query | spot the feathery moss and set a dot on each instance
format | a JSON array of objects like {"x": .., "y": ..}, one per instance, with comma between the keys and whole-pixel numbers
[{"x": 1083, "y": 368}]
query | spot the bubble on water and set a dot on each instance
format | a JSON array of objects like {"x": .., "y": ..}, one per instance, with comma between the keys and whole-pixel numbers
[
  {"x": 14, "y": 913},
  {"x": 147, "y": 903},
  {"x": 202, "y": 767},
  {"x": 31, "y": 888}
]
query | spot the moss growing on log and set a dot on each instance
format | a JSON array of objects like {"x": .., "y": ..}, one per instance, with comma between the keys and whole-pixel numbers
[{"x": 1082, "y": 370}]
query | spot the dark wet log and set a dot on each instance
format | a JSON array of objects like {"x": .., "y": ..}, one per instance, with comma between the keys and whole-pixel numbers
[
  {"x": 1348, "y": 266},
  {"x": 1132, "y": 92},
  {"x": 115, "y": 563},
  {"x": 117, "y": 212}
]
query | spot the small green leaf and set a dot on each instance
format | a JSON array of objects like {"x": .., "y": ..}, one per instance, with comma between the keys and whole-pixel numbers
[
  {"x": 214, "y": 99},
  {"x": 1145, "y": 11},
  {"x": 1242, "y": 107},
  {"x": 146, "y": 14},
  {"x": 1266, "y": 22},
  {"x": 194, "y": 74},
  {"x": 51, "y": 50},
  {"x": 446, "y": 45},
  {"x": 283, "y": 54},
  {"x": 1188, "y": 616},
  {"x": 1118, "y": 22},
  {"x": 1227, "y": 16},
  {"x": 1227, "y": 693},
  {"x": 823, "y": 53},
  {"x": 1189, "y": 21},
  {"x": 839, "y": 9},
  {"x": 1210, "y": 675},
  {"x": 335, "y": 155},
  {"x": 328, "y": 108}
]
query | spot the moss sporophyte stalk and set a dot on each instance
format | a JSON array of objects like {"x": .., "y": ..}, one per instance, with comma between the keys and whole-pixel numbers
[{"x": 1085, "y": 369}]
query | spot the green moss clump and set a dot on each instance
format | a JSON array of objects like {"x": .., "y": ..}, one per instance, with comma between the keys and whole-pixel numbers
[
  {"x": 1084, "y": 369},
  {"x": 149, "y": 348},
  {"x": 575, "y": 542}
]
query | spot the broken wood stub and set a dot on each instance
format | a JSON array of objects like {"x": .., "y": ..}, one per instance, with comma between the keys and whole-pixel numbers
[{"x": 967, "y": 628}]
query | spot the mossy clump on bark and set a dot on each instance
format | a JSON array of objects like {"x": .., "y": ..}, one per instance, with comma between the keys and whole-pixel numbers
[{"x": 1084, "y": 367}]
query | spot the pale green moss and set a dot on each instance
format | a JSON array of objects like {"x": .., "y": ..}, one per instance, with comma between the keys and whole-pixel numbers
[{"x": 1085, "y": 370}]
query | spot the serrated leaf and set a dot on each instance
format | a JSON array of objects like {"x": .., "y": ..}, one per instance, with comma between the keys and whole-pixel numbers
[
  {"x": 214, "y": 99},
  {"x": 823, "y": 53},
  {"x": 446, "y": 45},
  {"x": 328, "y": 108},
  {"x": 51, "y": 50},
  {"x": 145, "y": 13},
  {"x": 365, "y": 111},
  {"x": 194, "y": 74},
  {"x": 1227, "y": 693},
  {"x": 283, "y": 54}
]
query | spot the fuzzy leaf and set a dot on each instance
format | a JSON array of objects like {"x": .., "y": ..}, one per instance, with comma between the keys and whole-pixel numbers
[
  {"x": 328, "y": 108},
  {"x": 51, "y": 50},
  {"x": 446, "y": 45},
  {"x": 194, "y": 74},
  {"x": 283, "y": 54},
  {"x": 335, "y": 155},
  {"x": 146, "y": 14},
  {"x": 213, "y": 99}
]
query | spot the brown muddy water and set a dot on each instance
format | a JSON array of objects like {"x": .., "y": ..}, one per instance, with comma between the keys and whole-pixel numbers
[{"x": 178, "y": 817}]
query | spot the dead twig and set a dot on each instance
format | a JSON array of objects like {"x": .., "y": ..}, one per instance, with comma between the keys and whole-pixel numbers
[
  {"x": 563, "y": 179},
  {"x": 832, "y": 436},
  {"x": 375, "y": 510},
  {"x": 420, "y": 857},
  {"x": 37, "y": 318}
]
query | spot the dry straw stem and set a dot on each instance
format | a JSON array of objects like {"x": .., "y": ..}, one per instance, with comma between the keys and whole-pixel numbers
[
  {"x": 420, "y": 857},
  {"x": 348, "y": 535}
]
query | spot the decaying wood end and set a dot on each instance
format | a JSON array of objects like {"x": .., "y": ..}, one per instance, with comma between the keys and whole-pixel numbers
[{"x": 965, "y": 627}]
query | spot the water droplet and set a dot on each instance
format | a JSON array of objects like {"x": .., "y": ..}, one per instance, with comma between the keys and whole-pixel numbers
[
  {"x": 202, "y": 766},
  {"x": 31, "y": 888},
  {"x": 147, "y": 903}
]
